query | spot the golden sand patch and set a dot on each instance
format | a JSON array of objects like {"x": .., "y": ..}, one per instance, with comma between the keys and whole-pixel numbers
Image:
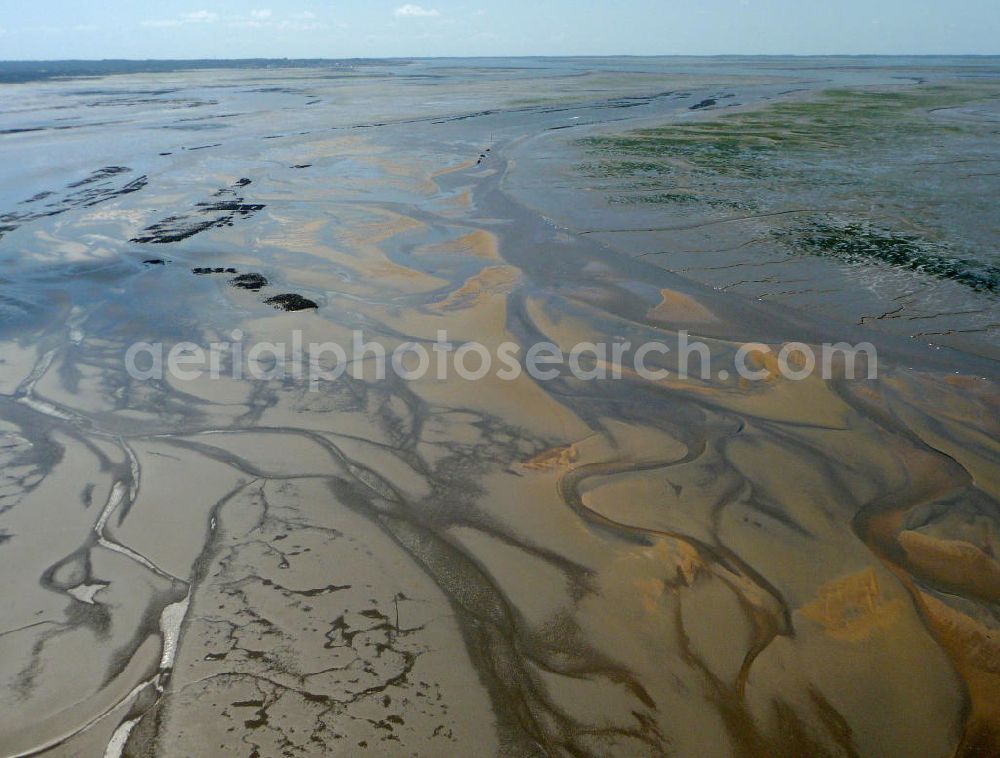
[
  {"x": 296, "y": 235},
  {"x": 452, "y": 169},
  {"x": 555, "y": 457},
  {"x": 953, "y": 563},
  {"x": 455, "y": 204},
  {"x": 979, "y": 645},
  {"x": 851, "y": 607},
  {"x": 462, "y": 200},
  {"x": 975, "y": 652},
  {"x": 493, "y": 280},
  {"x": 392, "y": 270},
  {"x": 758, "y": 361},
  {"x": 415, "y": 173},
  {"x": 682, "y": 556},
  {"x": 368, "y": 235},
  {"x": 650, "y": 590},
  {"x": 478, "y": 243},
  {"x": 676, "y": 306}
]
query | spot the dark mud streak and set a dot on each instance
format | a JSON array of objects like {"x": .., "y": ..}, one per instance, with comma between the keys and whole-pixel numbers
[
  {"x": 206, "y": 215},
  {"x": 253, "y": 282},
  {"x": 291, "y": 302},
  {"x": 98, "y": 187}
]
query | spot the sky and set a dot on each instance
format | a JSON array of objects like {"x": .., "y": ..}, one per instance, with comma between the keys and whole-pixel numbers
[{"x": 61, "y": 29}]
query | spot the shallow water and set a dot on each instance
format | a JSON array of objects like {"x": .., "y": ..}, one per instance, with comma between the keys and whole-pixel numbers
[{"x": 633, "y": 566}]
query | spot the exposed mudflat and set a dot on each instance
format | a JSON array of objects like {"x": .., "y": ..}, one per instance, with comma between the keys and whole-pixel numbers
[{"x": 259, "y": 567}]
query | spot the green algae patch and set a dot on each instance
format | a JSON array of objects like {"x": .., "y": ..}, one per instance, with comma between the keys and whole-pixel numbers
[
  {"x": 750, "y": 144},
  {"x": 856, "y": 161},
  {"x": 864, "y": 243},
  {"x": 678, "y": 198}
]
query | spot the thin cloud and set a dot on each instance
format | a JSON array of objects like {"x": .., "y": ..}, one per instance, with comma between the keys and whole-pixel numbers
[
  {"x": 300, "y": 26},
  {"x": 415, "y": 11},
  {"x": 302, "y": 21},
  {"x": 196, "y": 17},
  {"x": 200, "y": 17}
]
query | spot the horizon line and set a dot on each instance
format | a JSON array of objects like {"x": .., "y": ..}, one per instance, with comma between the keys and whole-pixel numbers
[{"x": 489, "y": 57}]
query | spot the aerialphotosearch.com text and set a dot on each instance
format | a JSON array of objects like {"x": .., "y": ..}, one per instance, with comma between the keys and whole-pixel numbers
[{"x": 319, "y": 362}]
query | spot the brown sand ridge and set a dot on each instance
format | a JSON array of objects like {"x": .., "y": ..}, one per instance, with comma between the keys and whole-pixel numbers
[
  {"x": 478, "y": 243},
  {"x": 492, "y": 280},
  {"x": 953, "y": 564},
  {"x": 678, "y": 307}
]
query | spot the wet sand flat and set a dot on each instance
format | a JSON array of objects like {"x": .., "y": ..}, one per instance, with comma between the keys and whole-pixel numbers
[{"x": 257, "y": 566}]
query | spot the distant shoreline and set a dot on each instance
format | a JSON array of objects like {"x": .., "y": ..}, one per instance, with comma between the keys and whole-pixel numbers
[{"x": 22, "y": 71}]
